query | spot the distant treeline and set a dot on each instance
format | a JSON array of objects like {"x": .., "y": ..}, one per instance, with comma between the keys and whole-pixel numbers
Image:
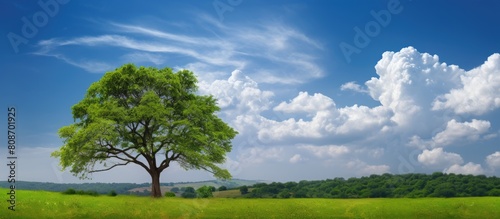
[
  {"x": 100, "y": 188},
  {"x": 105, "y": 188},
  {"x": 381, "y": 186}
]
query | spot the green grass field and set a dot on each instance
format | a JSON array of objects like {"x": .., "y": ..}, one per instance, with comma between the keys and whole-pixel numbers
[{"x": 40, "y": 204}]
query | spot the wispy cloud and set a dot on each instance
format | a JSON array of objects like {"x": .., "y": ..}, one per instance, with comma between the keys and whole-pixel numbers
[
  {"x": 89, "y": 66},
  {"x": 272, "y": 52}
]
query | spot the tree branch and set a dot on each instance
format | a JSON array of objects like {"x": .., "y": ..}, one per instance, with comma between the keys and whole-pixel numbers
[
  {"x": 115, "y": 151},
  {"x": 102, "y": 170},
  {"x": 164, "y": 164}
]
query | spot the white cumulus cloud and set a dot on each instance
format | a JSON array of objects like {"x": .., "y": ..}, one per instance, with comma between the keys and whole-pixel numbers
[
  {"x": 408, "y": 82},
  {"x": 330, "y": 151},
  {"x": 352, "y": 85},
  {"x": 407, "y": 85},
  {"x": 479, "y": 91},
  {"x": 457, "y": 132},
  {"x": 325, "y": 119},
  {"x": 362, "y": 168},
  {"x": 493, "y": 160},
  {"x": 306, "y": 103},
  {"x": 239, "y": 90},
  {"x": 439, "y": 158},
  {"x": 469, "y": 168}
]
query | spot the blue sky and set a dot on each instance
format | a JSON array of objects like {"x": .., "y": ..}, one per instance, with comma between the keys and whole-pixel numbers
[{"x": 420, "y": 91}]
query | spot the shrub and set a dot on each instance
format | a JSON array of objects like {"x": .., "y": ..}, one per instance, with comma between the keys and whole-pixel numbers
[
  {"x": 204, "y": 192},
  {"x": 81, "y": 192},
  {"x": 91, "y": 192},
  {"x": 112, "y": 193},
  {"x": 188, "y": 192},
  {"x": 222, "y": 188},
  {"x": 189, "y": 189},
  {"x": 188, "y": 195},
  {"x": 69, "y": 192},
  {"x": 244, "y": 190},
  {"x": 169, "y": 194}
]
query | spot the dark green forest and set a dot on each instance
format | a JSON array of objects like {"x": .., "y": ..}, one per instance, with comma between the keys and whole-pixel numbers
[{"x": 412, "y": 185}]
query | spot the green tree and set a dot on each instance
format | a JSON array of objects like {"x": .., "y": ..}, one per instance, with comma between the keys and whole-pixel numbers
[
  {"x": 444, "y": 190},
  {"x": 189, "y": 192},
  {"x": 222, "y": 188},
  {"x": 149, "y": 117},
  {"x": 244, "y": 190},
  {"x": 174, "y": 189},
  {"x": 284, "y": 194},
  {"x": 204, "y": 192},
  {"x": 494, "y": 192},
  {"x": 301, "y": 193}
]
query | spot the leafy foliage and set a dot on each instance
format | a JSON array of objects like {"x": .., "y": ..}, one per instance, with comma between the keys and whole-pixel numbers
[
  {"x": 169, "y": 194},
  {"x": 244, "y": 190},
  {"x": 149, "y": 117},
  {"x": 188, "y": 192},
  {"x": 71, "y": 191},
  {"x": 204, "y": 192},
  {"x": 412, "y": 185}
]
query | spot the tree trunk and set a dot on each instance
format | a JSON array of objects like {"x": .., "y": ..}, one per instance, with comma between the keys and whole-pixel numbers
[{"x": 155, "y": 185}]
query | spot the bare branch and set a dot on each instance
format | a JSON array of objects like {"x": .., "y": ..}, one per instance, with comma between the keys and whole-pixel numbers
[
  {"x": 115, "y": 151},
  {"x": 164, "y": 164},
  {"x": 102, "y": 170},
  {"x": 175, "y": 156}
]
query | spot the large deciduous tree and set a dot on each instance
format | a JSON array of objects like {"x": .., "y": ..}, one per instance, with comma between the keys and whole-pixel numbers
[{"x": 145, "y": 116}]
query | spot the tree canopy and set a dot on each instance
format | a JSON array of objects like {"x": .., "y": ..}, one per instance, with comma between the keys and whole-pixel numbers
[{"x": 149, "y": 117}]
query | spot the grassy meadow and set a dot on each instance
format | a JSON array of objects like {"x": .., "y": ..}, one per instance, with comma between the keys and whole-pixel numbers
[{"x": 41, "y": 204}]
